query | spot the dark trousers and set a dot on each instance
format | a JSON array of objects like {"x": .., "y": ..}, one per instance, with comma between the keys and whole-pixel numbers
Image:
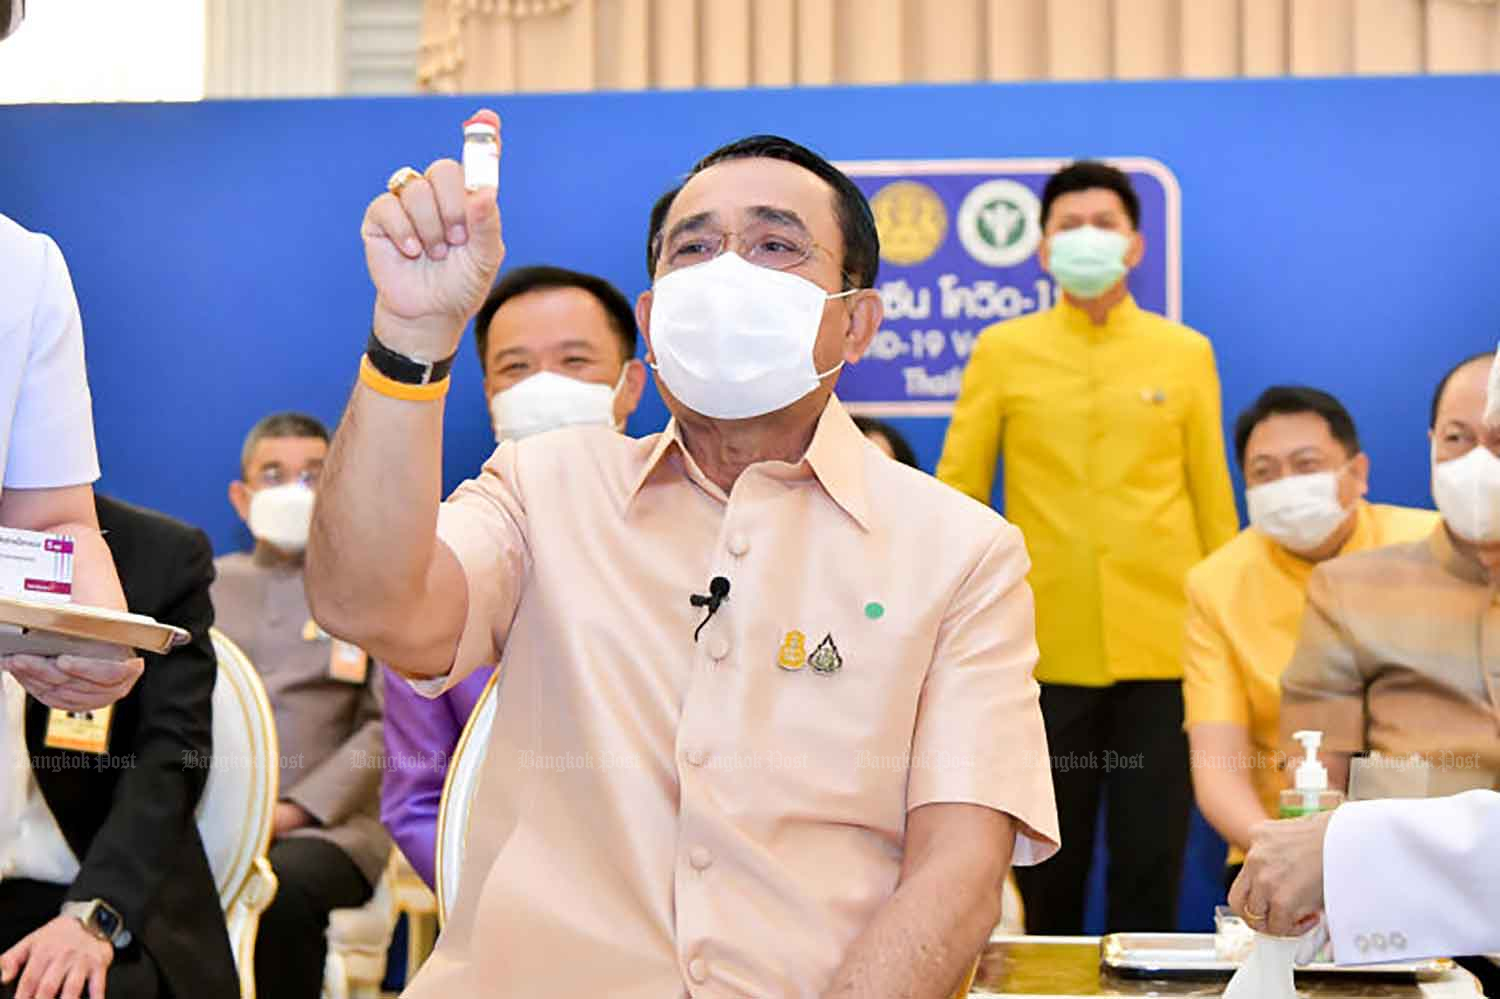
[
  {"x": 26, "y": 906},
  {"x": 1123, "y": 744},
  {"x": 315, "y": 877}
]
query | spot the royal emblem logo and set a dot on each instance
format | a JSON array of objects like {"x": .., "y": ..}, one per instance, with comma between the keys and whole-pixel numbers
[
  {"x": 999, "y": 223},
  {"x": 911, "y": 220}
]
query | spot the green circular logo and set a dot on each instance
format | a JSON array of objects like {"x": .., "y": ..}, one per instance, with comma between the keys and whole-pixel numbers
[{"x": 999, "y": 222}]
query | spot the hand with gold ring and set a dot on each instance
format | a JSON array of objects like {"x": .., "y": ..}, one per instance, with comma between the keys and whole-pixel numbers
[
  {"x": 432, "y": 248},
  {"x": 1280, "y": 889}
]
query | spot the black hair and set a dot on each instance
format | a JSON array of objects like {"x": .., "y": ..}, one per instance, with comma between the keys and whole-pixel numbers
[
  {"x": 1086, "y": 175},
  {"x": 902, "y": 450},
  {"x": 284, "y": 424},
  {"x": 659, "y": 212},
  {"x": 527, "y": 279},
  {"x": 856, "y": 221},
  {"x": 1288, "y": 399},
  {"x": 1442, "y": 386}
]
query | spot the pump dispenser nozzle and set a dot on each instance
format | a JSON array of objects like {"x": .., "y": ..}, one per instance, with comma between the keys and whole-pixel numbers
[{"x": 1311, "y": 775}]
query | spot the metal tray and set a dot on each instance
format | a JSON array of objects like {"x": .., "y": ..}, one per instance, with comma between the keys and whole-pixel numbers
[{"x": 1191, "y": 955}]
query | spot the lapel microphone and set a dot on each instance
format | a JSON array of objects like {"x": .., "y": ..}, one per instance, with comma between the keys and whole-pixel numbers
[{"x": 718, "y": 592}]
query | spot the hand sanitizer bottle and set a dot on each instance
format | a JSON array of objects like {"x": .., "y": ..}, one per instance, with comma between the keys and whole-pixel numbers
[{"x": 1311, "y": 794}]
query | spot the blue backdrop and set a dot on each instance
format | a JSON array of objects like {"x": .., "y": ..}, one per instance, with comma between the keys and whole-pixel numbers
[{"x": 1335, "y": 232}]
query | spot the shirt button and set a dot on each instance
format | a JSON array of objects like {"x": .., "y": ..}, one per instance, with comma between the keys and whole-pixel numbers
[
  {"x": 700, "y": 858},
  {"x": 718, "y": 647},
  {"x": 739, "y": 545},
  {"x": 698, "y": 970},
  {"x": 696, "y": 757}
]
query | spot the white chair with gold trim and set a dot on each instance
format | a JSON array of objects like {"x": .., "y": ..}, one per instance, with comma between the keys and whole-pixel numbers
[
  {"x": 359, "y": 940},
  {"x": 239, "y": 801},
  {"x": 458, "y": 794},
  {"x": 418, "y": 904}
]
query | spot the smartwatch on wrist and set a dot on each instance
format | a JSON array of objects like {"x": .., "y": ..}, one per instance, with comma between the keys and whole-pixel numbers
[
  {"x": 406, "y": 370},
  {"x": 101, "y": 920}
]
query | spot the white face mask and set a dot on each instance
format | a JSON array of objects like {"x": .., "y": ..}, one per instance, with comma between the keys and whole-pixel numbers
[
  {"x": 1467, "y": 491},
  {"x": 733, "y": 340},
  {"x": 547, "y": 400},
  {"x": 282, "y": 516},
  {"x": 1298, "y": 512}
]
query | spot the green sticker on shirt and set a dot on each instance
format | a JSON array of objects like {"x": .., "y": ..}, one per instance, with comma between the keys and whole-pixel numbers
[{"x": 874, "y": 610}]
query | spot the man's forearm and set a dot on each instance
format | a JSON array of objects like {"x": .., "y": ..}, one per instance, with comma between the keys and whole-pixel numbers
[
  {"x": 373, "y": 550},
  {"x": 95, "y": 580},
  {"x": 923, "y": 941},
  {"x": 1230, "y": 804}
]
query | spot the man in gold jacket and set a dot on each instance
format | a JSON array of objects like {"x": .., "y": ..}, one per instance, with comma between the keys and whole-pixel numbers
[
  {"x": 1305, "y": 478},
  {"x": 1108, "y": 418}
]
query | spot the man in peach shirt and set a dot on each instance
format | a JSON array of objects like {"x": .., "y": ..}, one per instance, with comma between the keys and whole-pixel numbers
[{"x": 812, "y": 784}]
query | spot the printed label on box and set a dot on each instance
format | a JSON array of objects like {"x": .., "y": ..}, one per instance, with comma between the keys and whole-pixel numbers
[{"x": 36, "y": 565}]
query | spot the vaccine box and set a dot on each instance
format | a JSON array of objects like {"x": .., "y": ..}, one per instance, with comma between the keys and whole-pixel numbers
[{"x": 36, "y": 566}]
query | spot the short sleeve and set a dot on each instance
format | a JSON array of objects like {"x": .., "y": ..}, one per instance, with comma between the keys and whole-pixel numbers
[
  {"x": 484, "y": 524},
  {"x": 1323, "y": 687},
  {"x": 979, "y": 735},
  {"x": 1213, "y": 690},
  {"x": 52, "y": 428}
]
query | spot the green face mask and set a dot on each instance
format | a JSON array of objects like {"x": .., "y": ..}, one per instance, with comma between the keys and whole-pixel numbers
[{"x": 1088, "y": 261}]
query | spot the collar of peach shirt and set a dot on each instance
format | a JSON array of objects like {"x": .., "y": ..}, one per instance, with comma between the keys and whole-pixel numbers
[
  {"x": 1465, "y": 567},
  {"x": 835, "y": 458},
  {"x": 1077, "y": 320}
]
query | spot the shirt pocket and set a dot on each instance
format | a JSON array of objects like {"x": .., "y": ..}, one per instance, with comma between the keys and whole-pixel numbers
[
  {"x": 830, "y": 707},
  {"x": 1140, "y": 425}
]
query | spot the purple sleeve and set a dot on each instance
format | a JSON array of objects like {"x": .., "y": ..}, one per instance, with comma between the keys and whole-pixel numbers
[{"x": 420, "y": 737}]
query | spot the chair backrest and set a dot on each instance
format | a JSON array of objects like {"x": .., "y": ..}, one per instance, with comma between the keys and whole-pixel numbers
[
  {"x": 458, "y": 793},
  {"x": 238, "y": 803}
]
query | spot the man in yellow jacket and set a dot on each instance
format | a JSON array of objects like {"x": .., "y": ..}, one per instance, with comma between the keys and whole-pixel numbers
[
  {"x": 1305, "y": 477},
  {"x": 1108, "y": 420}
]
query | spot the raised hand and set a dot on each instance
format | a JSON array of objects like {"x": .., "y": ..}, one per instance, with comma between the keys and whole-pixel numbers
[{"x": 432, "y": 249}]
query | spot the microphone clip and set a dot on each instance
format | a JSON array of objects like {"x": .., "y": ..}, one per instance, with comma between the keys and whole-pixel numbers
[{"x": 718, "y": 592}]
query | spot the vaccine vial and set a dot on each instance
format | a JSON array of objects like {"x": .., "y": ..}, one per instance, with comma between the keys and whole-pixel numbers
[{"x": 482, "y": 151}]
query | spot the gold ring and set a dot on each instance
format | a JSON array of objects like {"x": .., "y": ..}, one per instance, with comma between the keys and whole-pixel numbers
[
  {"x": 400, "y": 179},
  {"x": 1255, "y": 919}
]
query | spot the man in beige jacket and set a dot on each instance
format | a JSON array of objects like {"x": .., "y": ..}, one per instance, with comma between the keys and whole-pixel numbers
[{"x": 329, "y": 847}]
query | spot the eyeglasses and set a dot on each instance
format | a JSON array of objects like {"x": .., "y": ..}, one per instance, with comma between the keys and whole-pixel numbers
[
  {"x": 274, "y": 476},
  {"x": 778, "y": 247}
]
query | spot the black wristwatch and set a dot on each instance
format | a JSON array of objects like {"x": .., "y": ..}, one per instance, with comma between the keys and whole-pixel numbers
[
  {"x": 407, "y": 370},
  {"x": 101, "y": 919}
]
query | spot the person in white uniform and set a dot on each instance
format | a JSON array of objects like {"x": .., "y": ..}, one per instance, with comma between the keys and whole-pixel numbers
[
  {"x": 48, "y": 463},
  {"x": 1437, "y": 893}
]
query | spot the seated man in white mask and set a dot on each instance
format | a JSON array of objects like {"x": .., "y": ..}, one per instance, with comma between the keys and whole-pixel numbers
[
  {"x": 557, "y": 349},
  {"x": 328, "y": 847},
  {"x": 1399, "y": 645},
  {"x": 747, "y": 591},
  {"x": 1306, "y": 479}
]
